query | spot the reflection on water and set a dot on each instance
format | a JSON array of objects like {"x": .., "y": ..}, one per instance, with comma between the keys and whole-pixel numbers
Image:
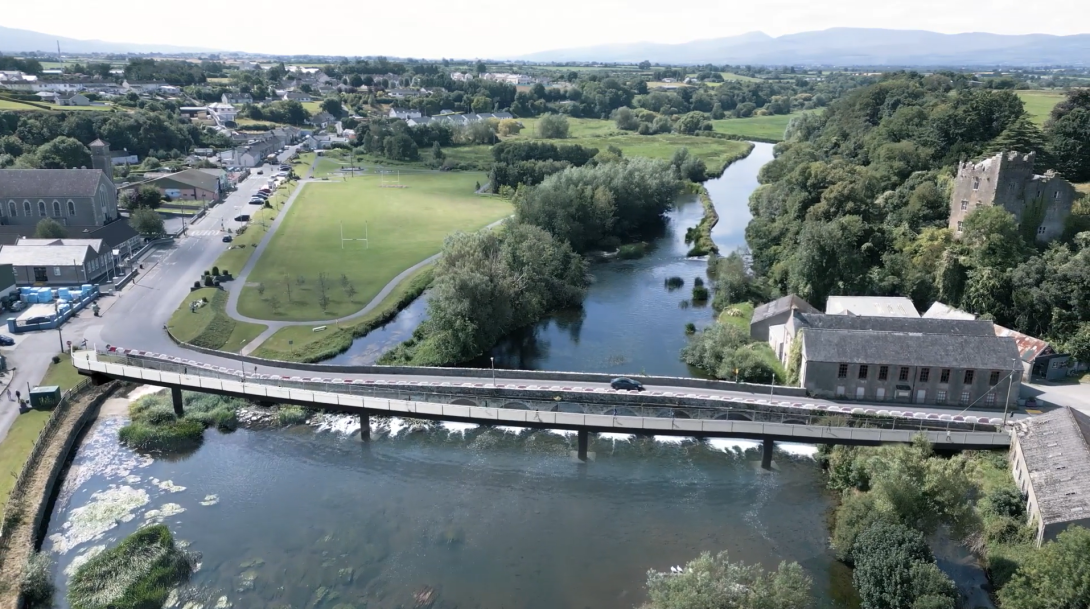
[
  {"x": 367, "y": 349},
  {"x": 487, "y": 517}
]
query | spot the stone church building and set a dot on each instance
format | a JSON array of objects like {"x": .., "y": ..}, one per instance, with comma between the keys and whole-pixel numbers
[
  {"x": 1007, "y": 180},
  {"x": 72, "y": 197}
]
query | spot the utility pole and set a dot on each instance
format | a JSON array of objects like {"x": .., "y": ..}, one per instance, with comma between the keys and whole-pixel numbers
[{"x": 1010, "y": 384}]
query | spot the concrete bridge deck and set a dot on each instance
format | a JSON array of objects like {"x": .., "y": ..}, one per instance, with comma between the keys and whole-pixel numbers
[{"x": 569, "y": 408}]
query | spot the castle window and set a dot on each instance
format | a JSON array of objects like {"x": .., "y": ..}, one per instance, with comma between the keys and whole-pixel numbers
[
  {"x": 1041, "y": 230},
  {"x": 964, "y": 205},
  {"x": 976, "y": 183},
  {"x": 41, "y": 208},
  {"x": 71, "y": 208},
  {"x": 960, "y": 223},
  {"x": 56, "y": 209}
]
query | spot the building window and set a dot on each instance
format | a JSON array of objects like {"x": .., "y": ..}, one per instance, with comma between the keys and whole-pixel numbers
[
  {"x": 840, "y": 391},
  {"x": 964, "y": 205},
  {"x": 993, "y": 380},
  {"x": 863, "y": 370},
  {"x": 26, "y": 209},
  {"x": 71, "y": 208},
  {"x": 883, "y": 373},
  {"x": 904, "y": 374},
  {"x": 989, "y": 400},
  {"x": 56, "y": 271},
  {"x": 925, "y": 373},
  {"x": 56, "y": 209},
  {"x": 41, "y": 208},
  {"x": 976, "y": 183},
  {"x": 960, "y": 224},
  {"x": 940, "y": 397},
  {"x": 1041, "y": 230},
  {"x": 969, "y": 375},
  {"x": 40, "y": 275},
  {"x": 944, "y": 377},
  {"x": 13, "y": 209},
  {"x": 842, "y": 372},
  {"x": 964, "y": 397}
]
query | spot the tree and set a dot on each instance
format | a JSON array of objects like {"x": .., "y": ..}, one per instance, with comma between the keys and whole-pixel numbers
[
  {"x": 436, "y": 152},
  {"x": 1069, "y": 144},
  {"x": 1023, "y": 136},
  {"x": 993, "y": 239},
  {"x": 894, "y": 569},
  {"x": 333, "y": 106},
  {"x": 356, "y": 81},
  {"x": 144, "y": 197},
  {"x": 147, "y": 222},
  {"x": 643, "y": 65},
  {"x": 552, "y": 127},
  {"x": 63, "y": 153},
  {"x": 481, "y": 67},
  {"x": 713, "y": 582},
  {"x": 626, "y": 119},
  {"x": 48, "y": 228},
  {"x": 1057, "y": 575},
  {"x": 509, "y": 126}
]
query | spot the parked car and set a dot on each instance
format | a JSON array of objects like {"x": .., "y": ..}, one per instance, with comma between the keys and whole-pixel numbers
[
  {"x": 228, "y": 238},
  {"x": 260, "y": 172},
  {"x": 257, "y": 201},
  {"x": 242, "y": 218},
  {"x": 626, "y": 384},
  {"x": 285, "y": 168},
  {"x": 6, "y": 341}
]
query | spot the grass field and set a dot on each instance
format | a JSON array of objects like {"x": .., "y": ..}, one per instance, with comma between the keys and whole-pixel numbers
[
  {"x": 314, "y": 107},
  {"x": 1040, "y": 103},
  {"x": 25, "y": 429},
  {"x": 10, "y": 104},
  {"x": 601, "y": 134},
  {"x": 210, "y": 326},
  {"x": 764, "y": 127},
  {"x": 405, "y": 226}
]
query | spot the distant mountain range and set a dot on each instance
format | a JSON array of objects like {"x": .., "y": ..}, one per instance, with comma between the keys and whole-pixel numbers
[
  {"x": 24, "y": 41},
  {"x": 847, "y": 47}
]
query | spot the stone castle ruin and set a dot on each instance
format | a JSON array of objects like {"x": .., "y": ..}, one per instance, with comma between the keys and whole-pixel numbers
[{"x": 1040, "y": 203}]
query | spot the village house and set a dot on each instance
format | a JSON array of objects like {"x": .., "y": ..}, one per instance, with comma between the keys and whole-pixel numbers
[
  {"x": 404, "y": 114},
  {"x": 237, "y": 99},
  {"x": 142, "y": 86},
  {"x": 298, "y": 96},
  {"x": 458, "y": 119},
  {"x": 123, "y": 157},
  {"x": 1050, "y": 455},
  {"x": 775, "y": 313},
  {"x": 186, "y": 185},
  {"x": 1007, "y": 180},
  {"x": 71, "y": 99}
]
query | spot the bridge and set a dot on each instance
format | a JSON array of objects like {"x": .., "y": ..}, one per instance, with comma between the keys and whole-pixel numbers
[{"x": 584, "y": 410}]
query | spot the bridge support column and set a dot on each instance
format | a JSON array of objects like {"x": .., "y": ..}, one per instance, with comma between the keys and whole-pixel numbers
[
  {"x": 766, "y": 454},
  {"x": 365, "y": 426},
  {"x": 584, "y": 440},
  {"x": 176, "y": 397}
]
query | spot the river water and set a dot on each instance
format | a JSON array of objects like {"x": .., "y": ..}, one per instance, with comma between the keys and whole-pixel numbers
[
  {"x": 488, "y": 518},
  {"x": 630, "y": 322}
]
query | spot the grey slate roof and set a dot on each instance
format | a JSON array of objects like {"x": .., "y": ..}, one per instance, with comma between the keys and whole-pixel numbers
[
  {"x": 909, "y": 349},
  {"x": 963, "y": 327},
  {"x": 112, "y": 235},
  {"x": 883, "y": 306},
  {"x": 1055, "y": 447},
  {"x": 45, "y": 255},
  {"x": 780, "y": 305},
  {"x": 59, "y": 183}
]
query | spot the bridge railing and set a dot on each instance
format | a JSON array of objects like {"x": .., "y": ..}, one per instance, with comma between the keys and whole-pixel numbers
[{"x": 567, "y": 399}]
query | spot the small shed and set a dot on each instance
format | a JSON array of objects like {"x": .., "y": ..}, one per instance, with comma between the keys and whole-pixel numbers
[{"x": 45, "y": 397}]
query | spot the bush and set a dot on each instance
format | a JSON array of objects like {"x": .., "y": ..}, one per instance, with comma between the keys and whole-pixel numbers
[
  {"x": 37, "y": 583},
  {"x": 894, "y": 569},
  {"x": 136, "y": 574},
  {"x": 690, "y": 329},
  {"x": 197, "y": 285},
  {"x": 291, "y": 415},
  {"x": 208, "y": 282},
  {"x": 674, "y": 283},
  {"x": 855, "y": 514},
  {"x": 700, "y": 293},
  {"x": 216, "y": 270},
  {"x": 179, "y": 435},
  {"x": 1006, "y": 501},
  {"x": 552, "y": 127},
  {"x": 632, "y": 251},
  {"x": 1057, "y": 575}
]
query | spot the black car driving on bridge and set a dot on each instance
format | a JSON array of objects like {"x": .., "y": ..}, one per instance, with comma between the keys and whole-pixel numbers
[{"x": 626, "y": 383}]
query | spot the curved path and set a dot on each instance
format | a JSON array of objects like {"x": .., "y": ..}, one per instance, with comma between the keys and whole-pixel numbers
[{"x": 274, "y": 326}]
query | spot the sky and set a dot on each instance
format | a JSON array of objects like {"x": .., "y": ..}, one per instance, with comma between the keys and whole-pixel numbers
[{"x": 494, "y": 29}]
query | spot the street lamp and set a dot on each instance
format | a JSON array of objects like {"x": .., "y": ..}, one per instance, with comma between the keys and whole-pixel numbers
[{"x": 493, "y": 360}]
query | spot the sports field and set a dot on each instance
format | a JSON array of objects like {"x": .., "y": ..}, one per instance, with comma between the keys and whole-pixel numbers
[
  {"x": 1039, "y": 104},
  {"x": 404, "y": 226}
]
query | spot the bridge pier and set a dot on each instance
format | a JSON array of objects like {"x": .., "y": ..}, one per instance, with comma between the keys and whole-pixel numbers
[
  {"x": 766, "y": 454},
  {"x": 365, "y": 426},
  {"x": 176, "y": 397},
  {"x": 584, "y": 440}
]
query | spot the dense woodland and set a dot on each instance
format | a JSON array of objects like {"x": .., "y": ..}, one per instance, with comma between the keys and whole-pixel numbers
[{"x": 856, "y": 202}]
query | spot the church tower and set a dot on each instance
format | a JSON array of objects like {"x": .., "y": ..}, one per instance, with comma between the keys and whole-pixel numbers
[{"x": 101, "y": 159}]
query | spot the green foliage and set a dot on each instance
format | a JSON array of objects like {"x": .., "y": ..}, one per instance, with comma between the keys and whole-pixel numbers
[
  {"x": 176, "y": 436},
  {"x": 894, "y": 569},
  {"x": 291, "y": 415},
  {"x": 701, "y": 235},
  {"x": 713, "y": 582},
  {"x": 138, "y": 573},
  {"x": 37, "y": 583},
  {"x": 48, "y": 228},
  {"x": 155, "y": 427},
  {"x": 553, "y": 127},
  {"x": 143, "y": 197},
  {"x": 1056, "y": 576},
  {"x": 1004, "y": 501},
  {"x": 147, "y": 222},
  {"x": 63, "y": 153}
]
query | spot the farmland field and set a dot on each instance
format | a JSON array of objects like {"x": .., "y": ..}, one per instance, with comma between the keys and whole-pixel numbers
[{"x": 1039, "y": 104}]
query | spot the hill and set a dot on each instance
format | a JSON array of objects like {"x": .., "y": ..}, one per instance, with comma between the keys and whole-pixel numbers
[
  {"x": 847, "y": 47},
  {"x": 14, "y": 40}
]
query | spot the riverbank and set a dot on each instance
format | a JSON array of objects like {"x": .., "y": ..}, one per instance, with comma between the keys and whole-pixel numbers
[{"x": 701, "y": 235}]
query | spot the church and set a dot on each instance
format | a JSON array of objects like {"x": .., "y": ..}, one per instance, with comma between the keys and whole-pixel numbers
[{"x": 72, "y": 197}]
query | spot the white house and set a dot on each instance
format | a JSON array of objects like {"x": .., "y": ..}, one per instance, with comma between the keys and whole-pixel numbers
[
  {"x": 71, "y": 99},
  {"x": 123, "y": 157},
  {"x": 224, "y": 112},
  {"x": 169, "y": 89},
  {"x": 404, "y": 114}
]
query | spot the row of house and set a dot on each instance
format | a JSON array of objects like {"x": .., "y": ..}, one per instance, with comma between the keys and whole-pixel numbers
[{"x": 457, "y": 119}]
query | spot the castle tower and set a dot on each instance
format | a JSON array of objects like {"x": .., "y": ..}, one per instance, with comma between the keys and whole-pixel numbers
[{"x": 101, "y": 159}]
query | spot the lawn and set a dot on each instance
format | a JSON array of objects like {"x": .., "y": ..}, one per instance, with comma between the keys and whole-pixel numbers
[
  {"x": 26, "y": 427},
  {"x": 745, "y": 310},
  {"x": 764, "y": 127},
  {"x": 404, "y": 225},
  {"x": 314, "y": 107},
  {"x": 601, "y": 134},
  {"x": 1039, "y": 104},
  {"x": 11, "y": 104},
  {"x": 210, "y": 326}
]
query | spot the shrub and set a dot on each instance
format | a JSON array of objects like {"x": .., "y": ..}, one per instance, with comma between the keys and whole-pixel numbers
[
  {"x": 37, "y": 583},
  {"x": 159, "y": 414},
  {"x": 690, "y": 329},
  {"x": 197, "y": 284},
  {"x": 216, "y": 270},
  {"x": 674, "y": 283},
  {"x": 632, "y": 251},
  {"x": 700, "y": 293},
  {"x": 894, "y": 568},
  {"x": 179, "y": 435},
  {"x": 1005, "y": 501},
  {"x": 208, "y": 282},
  {"x": 698, "y": 282},
  {"x": 136, "y": 574},
  {"x": 291, "y": 415}
]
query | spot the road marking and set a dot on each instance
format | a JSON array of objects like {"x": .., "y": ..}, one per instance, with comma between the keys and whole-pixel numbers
[{"x": 203, "y": 233}]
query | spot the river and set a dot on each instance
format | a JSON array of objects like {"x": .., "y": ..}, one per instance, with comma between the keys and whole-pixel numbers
[
  {"x": 630, "y": 322},
  {"x": 489, "y": 518}
]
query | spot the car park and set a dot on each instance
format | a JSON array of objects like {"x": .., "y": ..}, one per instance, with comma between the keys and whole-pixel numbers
[{"x": 626, "y": 384}]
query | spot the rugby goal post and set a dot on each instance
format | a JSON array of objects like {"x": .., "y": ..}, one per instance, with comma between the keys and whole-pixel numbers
[{"x": 366, "y": 243}]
